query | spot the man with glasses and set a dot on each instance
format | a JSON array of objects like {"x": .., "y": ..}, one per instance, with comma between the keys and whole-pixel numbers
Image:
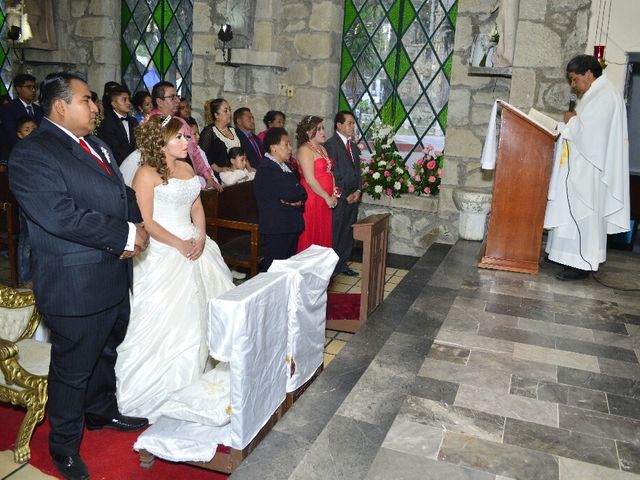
[
  {"x": 166, "y": 102},
  {"x": 20, "y": 107}
]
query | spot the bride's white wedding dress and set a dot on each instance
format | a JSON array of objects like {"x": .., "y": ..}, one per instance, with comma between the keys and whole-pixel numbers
[{"x": 164, "y": 348}]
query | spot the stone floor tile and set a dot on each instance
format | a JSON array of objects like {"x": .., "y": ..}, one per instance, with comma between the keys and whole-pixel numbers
[
  {"x": 624, "y": 406},
  {"x": 594, "y": 322},
  {"x": 344, "y": 450},
  {"x": 519, "y": 336},
  {"x": 575, "y": 470},
  {"x": 524, "y": 311},
  {"x": 399, "y": 466},
  {"x": 506, "y": 460},
  {"x": 437, "y": 390},
  {"x": 599, "y": 381},
  {"x": 597, "y": 350},
  {"x": 413, "y": 438},
  {"x": 619, "y": 369},
  {"x": 599, "y": 424},
  {"x": 473, "y": 341},
  {"x": 452, "y": 417},
  {"x": 512, "y": 406},
  {"x": 448, "y": 353},
  {"x": 504, "y": 362},
  {"x": 335, "y": 346},
  {"x": 462, "y": 374},
  {"x": 557, "y": 329},
  {"x": 629, "y": 455},
  {"x": 561, "y": 442},
  {"x": 555, "y": 357}
]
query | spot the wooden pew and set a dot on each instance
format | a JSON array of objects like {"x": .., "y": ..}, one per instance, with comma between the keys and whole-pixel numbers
[{"x": 232, "y": 221}]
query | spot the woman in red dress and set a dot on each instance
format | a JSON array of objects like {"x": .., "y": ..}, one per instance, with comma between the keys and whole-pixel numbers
[{"x": 317, "y": 179}]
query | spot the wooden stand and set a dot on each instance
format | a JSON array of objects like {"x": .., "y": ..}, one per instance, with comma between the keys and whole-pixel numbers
[
  {"x": 523, "y": 169},
  {"x": 373, "y": 231}
]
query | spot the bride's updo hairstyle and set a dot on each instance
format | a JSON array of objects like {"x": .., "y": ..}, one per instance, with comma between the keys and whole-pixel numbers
[
  {"x": 151, "y": 137},
  {"x": 307, "y": 128}
]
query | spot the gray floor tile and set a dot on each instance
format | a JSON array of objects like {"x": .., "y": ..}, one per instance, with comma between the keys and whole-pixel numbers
[
  {"x": 599, "y": 424},
  {"x": 629, "y": 454},
  {"x": 599, "y": 381},
  {"x": 452, "y": 417},
  {"x": 398, "y": 466},
  {"x": 433, "y": 389},
  {"x": 506, "y": 460},
  {"x": 624, "y": 406},
  {"x": 574, "y": 470},
  {"x": 555, "y": 392},
  {"x": 448, "y": 353},
  {"x": 561, "y": 442},
  {"x": 619, "y": 369},
  {"x": 413, "y": 438}
]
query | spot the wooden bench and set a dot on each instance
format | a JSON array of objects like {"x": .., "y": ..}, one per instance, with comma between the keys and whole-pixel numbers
[{"x": 232, "y": 221}]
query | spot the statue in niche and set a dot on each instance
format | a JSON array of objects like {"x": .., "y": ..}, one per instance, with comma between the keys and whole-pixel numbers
[
  {"x": 507, "y": 24},
  {"x": 240, "y": 15},
  {"x": 39, "y": 14}
]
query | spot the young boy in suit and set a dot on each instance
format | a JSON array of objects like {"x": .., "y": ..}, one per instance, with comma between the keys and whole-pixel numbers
[{"x": 280, "y": 199}]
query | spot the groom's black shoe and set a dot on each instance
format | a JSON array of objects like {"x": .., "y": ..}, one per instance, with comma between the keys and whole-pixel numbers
[
  {"x": 120, "y": 422},
  {"x": 70, "y": 467},
  {"x": 349, "y": 273}
]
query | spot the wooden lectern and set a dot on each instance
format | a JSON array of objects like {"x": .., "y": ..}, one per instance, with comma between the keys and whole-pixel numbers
[{"x": 521, "y": 184}]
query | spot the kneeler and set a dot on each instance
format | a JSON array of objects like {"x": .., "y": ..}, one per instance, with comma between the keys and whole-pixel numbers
[{"x": 247, "y": 328}]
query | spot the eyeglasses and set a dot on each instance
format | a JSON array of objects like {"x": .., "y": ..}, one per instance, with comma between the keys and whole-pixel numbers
[
  {"x": 27, "y": 86},
  {"x": 171, "y": 97}
]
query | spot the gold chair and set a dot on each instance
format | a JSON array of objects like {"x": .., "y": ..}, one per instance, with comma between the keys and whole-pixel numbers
[{"x": 24, "y": 363}]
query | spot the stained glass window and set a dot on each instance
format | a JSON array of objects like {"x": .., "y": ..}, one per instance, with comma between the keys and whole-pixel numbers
[
  {"x": 396, "y": 66},
  {"x": 157, "y": 43},
  {"x": 5, "y": 59}
]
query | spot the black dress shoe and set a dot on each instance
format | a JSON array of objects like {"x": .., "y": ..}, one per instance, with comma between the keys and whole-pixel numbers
[
  {"x": 349, "y": 273},
  {"x": 70, "y": 467},
  {"x": 570, "y": 273},
  {"x": 121, "y": 422}
]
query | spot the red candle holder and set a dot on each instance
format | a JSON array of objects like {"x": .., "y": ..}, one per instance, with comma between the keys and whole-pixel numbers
[{"x": 598, "y": 52}]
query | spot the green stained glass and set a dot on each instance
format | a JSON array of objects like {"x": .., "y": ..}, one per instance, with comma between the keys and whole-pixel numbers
[
  {"x": 156, "y": 43},
  {"x": 412, "y": 40},
  {"x": 5, "y": 58},
  {"x": 350, "y": 15}
]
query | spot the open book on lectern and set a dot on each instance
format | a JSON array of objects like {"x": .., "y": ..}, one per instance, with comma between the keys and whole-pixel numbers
[{"x": 537, "y": 117}]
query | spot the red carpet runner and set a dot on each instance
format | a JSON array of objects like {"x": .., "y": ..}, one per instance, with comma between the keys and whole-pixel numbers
[
  {"x": 343, "y": 306},
  {"x": 109, "y": 455}
]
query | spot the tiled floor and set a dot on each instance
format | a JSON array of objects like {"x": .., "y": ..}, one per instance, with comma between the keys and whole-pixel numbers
[
  {"x": 475, "y": 374},
  {"x": 334, "y": 341}
]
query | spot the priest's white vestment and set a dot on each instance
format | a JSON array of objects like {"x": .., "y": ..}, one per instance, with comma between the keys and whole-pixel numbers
[{"x": 589, "y": 189}]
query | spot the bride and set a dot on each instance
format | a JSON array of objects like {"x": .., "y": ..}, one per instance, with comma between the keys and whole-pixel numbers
[{"x": 164, "y": 348}]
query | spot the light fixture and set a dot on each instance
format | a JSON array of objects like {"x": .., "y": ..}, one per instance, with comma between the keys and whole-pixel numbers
[
  {"x": 602, "y": 30},
  {"x": 225, "y": 35}
]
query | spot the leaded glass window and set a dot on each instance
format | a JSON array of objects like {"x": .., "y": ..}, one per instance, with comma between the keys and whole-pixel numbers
[
  {"x": 5, "y": 59},
  {"x": 396, "y": 66},
  {"x": 157, "y": 43}
]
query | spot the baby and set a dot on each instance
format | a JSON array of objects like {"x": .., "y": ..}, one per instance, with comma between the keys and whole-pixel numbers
[
  {"x": 238, "y": 172},
  {"x": 25, "y": 126}
]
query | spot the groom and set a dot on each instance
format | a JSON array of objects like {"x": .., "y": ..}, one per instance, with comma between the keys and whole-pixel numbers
[{"x": 79, "y": 215}]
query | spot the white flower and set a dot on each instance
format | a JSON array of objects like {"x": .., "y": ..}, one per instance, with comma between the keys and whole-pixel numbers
[
  {"x": 376, "y": 175},
  {"x": 396, "y": 185},
  {"x": 398, "y": 169},
  {"x": 382, "y": 163},
  {"x": 378, "y": 189}
]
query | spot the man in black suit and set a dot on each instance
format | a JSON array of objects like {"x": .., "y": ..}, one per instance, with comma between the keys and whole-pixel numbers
[
  {"x": 245, "y": 124},
  {"x": 20, "y": 107},
  {"x": 116, "y": 128},
  {"x": 346, "y": 171},
  {"x": 80, "y": 217},
  {"x": 280, "y": 198}
]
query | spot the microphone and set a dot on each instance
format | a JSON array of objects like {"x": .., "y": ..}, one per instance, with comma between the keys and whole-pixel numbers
[{"x": 572, "y": 102}]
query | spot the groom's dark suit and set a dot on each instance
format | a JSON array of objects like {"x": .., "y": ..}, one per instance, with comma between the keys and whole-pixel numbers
[
  {"x": 346, "y": 171},
  {"x": 77, "y": 215}
]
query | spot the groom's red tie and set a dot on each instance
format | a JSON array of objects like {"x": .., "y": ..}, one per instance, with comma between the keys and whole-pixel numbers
[{"x": 85, "y": 146}]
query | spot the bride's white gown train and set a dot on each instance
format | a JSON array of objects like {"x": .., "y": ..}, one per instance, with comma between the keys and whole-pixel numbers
[{"x": 164, "y": 348}]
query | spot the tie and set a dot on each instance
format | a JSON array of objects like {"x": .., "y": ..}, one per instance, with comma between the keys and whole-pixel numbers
[
  {"x": 84, "y": 145},
  {"x": 124, "y": 119},
  {"x": 254, "y": 144},
  {"x": 349, "y": 150},
  {"x": 30, "y": 111}
]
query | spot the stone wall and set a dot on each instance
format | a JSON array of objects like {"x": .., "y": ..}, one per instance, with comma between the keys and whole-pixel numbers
[
  {"x": 292, "y": 63},
  {"x": 88, "y": 40}
]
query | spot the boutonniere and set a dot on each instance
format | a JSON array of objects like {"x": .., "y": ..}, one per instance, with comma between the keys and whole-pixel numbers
[{"x": 105, "y": 152}]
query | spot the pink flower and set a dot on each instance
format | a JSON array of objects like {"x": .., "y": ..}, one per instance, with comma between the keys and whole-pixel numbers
[
  {"x": 427, "y": 190},
  {"x": 366, "y": 184},
  {"x": 392, "y": 163},
  {"x": 386, "y": 173},
  {"x": 361, "y": 146},
  {"x": 401, "y": 180},
  {"x": 411, "y": 189},
  {"x": 389, "y": 192},
  {"x": 428, "y": 149},
  {"x": 439, "y": 172},
  {"x": 439, "y": 187},
  {"x": 431, "y": 164},
  {"x": 420, "y": 162},
  {"x": 432, "y": 179},
  {"x": 417, "y": 178},
  {"x": 438, "y": 154}
]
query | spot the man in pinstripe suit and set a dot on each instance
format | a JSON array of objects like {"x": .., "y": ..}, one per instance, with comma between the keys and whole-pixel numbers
[{"x": 80, "y": 217}]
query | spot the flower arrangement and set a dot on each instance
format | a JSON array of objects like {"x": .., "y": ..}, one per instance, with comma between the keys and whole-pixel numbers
[
  {"x": 385, "y": 173},
  {"x": 427, "y": 173}
]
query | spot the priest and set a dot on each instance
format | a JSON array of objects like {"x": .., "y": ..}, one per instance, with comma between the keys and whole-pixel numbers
[{"x": 589, "y": 190}]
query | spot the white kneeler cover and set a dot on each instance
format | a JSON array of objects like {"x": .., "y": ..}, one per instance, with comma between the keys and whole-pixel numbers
[
  {"x": 310, "y": 272},
  {"x": 248, "y": 329}
]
